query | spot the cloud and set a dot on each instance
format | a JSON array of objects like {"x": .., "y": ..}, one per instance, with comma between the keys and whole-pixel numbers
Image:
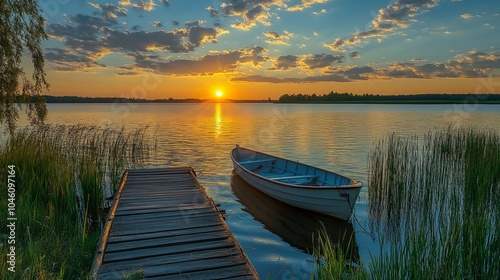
[
  {"x": 323, "y": 11},
  {"x": 110, "y": 12},
  {"x": 198, "y": 35},
  {"x": 474, "y": 64},
  {"x": 354, "y": 55},
  {"x": 66, "y": 60},
  {"x": 397, "y": 15},
  {"x": 306, "y": 62},
  {"x": 357, "y": 73},
  {"x": 82, "y": 33},
  {"x": 340, "y": 44},
  {"x": 207, "y": 65},
  {"x": 466, "y": 16},
  {"x": 481, "y": 60},
  {"x": 88, "y": 33},
  {"x": 313, "y": 79},
  {"x": 213, "y": 12},
  {"x": 157, "y": 23},
  {"x": 321, "y": 60},
  {"x": 274, "y": 38},
  {"x": 250, "y": 11},
  {"x": 94, "y": 37},
  {"x": 176, "y": 41},
  {"x": 194, "y": 23},
  {"x": 305, "y": 4},
  {"x": 165, "y": 3},
  {"x": 400, "y": 70},
  {"x": 285, "y": 62},
  {"x": 141, "y": 5},
  {"x": 488, "y": 25}
]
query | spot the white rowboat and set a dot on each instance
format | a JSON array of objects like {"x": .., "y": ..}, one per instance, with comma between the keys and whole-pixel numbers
[{"x": 297, "y": 184}]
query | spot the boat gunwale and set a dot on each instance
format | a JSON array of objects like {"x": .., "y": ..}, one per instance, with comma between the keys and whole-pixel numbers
[{"x": 358, "y": 184}]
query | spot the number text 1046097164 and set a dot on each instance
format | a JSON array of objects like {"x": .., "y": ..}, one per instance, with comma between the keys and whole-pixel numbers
[{"x": 11, "y": 218}]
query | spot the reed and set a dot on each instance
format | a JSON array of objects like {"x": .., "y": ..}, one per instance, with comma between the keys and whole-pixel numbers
[
  {"x": 63, "y": 175},
  {"x": 337, "y": 260},
  {"x": 434, "y": 200},
  {"x": 433, "y": 203}
]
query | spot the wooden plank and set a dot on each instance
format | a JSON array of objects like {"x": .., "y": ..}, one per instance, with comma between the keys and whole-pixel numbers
[
  {"x": 156, "y": 192},
  {"x": 163, "y": 222},
  {"x": 162, "y": 181},
  {"x": 154, "y": 207},
  {"x": 188, "y": 195},
  {"x": 166, "y": 214},
  {"x": 237, "y": 273},
  {"x": 145, "y": 236},
  {"x": 162, "y": 217},
  {"x": 171, "y": 202},
  {"x": 131, "y": 246},
  {"x": 180, "y": 248},
  {"x": 172, "y": 170},
  {"x": 130, "y": 231},
  {"x": 185, "y": 267},
  {"x": 164, "y": 201},
  {"x": 169, "y": 259},
  {"x": 166, "y": 223},
  {"x": 167, "y": 209}
]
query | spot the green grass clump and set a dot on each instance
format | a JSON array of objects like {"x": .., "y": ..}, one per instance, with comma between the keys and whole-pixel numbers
[
  {"x": 136, "y": 275},
  {"x": 62, "y": 175},
  {"x": 337, "y": 260}
]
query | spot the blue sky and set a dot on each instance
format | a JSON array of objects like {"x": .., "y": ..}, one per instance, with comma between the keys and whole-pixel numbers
[{"x": 260, "y": 48}]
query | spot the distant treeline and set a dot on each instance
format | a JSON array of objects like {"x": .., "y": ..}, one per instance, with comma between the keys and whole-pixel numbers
[
  {"x": 80, "y": 99},
  {"x": 335, "y": 97},
  {"x": 332, "y": 97}
]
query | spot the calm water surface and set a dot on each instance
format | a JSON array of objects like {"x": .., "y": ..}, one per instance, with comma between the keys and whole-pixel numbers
[{"x": 275, "y": 236}]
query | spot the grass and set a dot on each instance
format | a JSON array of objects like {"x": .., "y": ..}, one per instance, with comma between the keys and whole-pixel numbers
[
  {"x": 136, "y": 275},
  {"x": 336, "y": 261},
  {"x": 62, "y": 176},
  {"x": 433, "y": 203}
]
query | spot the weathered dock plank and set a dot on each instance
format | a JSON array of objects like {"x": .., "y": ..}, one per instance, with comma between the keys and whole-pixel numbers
[{"x": 163, "y": 224}]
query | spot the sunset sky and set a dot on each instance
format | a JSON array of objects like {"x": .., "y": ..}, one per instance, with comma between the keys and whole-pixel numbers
[{"x": 257, "y": 49}]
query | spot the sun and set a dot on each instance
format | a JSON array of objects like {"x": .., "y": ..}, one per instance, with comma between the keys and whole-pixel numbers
[{"x": 218, "y": 93}]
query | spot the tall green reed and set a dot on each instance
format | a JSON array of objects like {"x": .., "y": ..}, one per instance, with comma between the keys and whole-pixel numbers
[
  {"x": 435, "y": 201},
  {"x": 337, "y": 259},
  {"x": 63, "y": 175}
]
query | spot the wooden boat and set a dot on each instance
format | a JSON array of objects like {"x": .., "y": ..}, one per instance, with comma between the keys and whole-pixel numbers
[
  {"x": 297, "y": 227},
  {"x": 297, "y": 184}
]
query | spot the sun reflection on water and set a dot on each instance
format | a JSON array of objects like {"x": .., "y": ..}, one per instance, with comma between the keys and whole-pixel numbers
[{"x": 218, "y": 120}]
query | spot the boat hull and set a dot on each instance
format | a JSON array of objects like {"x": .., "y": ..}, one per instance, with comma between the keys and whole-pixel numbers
[
  {"x": 296, "y": 226},
  {"x": 333, "y": 201}
]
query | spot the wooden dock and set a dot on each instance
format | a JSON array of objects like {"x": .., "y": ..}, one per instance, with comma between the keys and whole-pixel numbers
[{"x": 163, "y": 225}]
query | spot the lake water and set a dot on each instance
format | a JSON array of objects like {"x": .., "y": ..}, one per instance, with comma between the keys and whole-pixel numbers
[{"x": 275, "y": 236}]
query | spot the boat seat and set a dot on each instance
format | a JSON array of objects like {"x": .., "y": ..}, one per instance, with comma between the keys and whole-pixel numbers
[
  {"x": 258, "y": 161},
  {"x": 294, "y": 177}
]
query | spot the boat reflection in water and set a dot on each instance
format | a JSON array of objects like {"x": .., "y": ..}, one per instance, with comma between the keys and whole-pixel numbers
[{"x": 294, "y": 225}]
